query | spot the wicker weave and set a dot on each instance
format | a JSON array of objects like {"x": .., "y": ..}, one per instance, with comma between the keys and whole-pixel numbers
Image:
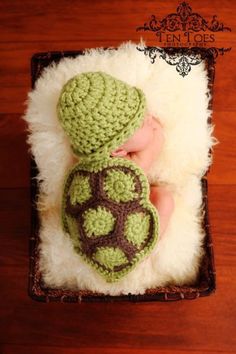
[{"x": 205, "y": 284}]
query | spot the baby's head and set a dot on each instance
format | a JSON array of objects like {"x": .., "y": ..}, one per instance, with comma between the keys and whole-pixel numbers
[{"x": 101, "y": 114}]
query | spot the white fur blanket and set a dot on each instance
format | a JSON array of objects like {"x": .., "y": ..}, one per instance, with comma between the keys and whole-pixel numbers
[{"x": 181, "y": 106}]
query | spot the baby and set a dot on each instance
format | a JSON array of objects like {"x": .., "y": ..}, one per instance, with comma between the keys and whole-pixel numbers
[
  {"x": 142, "y": 148},
  {"x": 112, "y": 215}
]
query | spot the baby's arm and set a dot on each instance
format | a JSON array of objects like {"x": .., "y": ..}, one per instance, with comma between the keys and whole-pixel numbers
[{"x": 144, "y": 158}]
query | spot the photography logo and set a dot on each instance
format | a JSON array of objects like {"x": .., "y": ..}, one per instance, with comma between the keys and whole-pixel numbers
[{"x": 184, "y": 38}]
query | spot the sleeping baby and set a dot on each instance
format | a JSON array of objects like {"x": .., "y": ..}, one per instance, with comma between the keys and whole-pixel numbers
[{"x": 112, "y": 215}]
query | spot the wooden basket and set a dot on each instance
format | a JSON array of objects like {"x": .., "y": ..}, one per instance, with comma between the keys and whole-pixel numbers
[{"x": 205, "y": 284}]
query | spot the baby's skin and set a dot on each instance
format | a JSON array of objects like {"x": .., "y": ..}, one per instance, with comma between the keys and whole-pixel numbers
[{"x": 143, "y": 148}]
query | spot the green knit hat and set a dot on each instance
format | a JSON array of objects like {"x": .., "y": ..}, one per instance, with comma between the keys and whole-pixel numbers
[{"x": 99, "y": 113}]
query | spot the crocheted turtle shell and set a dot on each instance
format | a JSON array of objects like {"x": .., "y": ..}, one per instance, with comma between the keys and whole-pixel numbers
[
  {"x": 99, "y": 113},
  {"x": 107, "y": 212}
]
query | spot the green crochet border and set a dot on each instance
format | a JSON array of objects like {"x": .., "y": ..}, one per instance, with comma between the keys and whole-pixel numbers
[{"x": 145, "y": 202}]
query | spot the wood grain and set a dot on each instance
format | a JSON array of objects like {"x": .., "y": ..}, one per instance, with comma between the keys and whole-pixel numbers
[{"x": 206, "y": 325}]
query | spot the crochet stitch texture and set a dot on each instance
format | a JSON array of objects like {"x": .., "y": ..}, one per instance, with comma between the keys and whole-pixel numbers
[
  {"x": 99, "y": 112},
  {"x": 105, "y": 203}
]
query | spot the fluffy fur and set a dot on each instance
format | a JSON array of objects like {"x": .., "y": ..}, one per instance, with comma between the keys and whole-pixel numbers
[{"x": 181, "y": 106}]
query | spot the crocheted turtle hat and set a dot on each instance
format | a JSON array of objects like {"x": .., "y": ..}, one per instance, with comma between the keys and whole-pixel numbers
[{"x": 99, "y": 113}]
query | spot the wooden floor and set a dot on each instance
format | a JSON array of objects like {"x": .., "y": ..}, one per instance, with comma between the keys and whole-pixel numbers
[{"x": 206, "y": 325}]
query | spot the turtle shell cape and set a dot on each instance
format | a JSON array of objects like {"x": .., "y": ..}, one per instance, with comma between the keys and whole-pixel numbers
[{"x": 105, "y": 200}]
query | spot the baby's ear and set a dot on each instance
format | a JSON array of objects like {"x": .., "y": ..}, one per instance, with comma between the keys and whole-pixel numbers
[{"x": 119, "y": 152}]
